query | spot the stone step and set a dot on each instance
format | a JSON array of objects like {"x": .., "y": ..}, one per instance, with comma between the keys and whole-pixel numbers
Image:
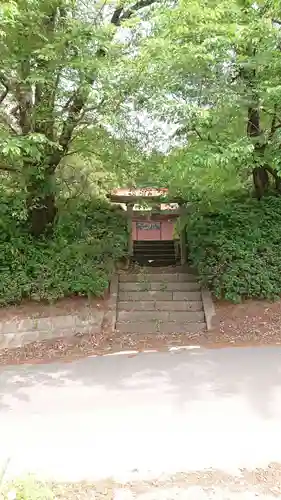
[
  {"x": 159, "y": 305},
  {"x": 179, "y": 316},
  {"x": 161, "y": 286},
  {"x": 156, "y": 243},
  {"x": 159, "y": 295},
  {"x": 154, "y": 248},
  {"x": 154, "y": 276},
  {"x": 156, "y": 327},
  {"x": 157, "y": 257},
  {"x": 154, "y": 252},
  {"x": 160, "y": 256},
  {"x": 188, "y": 295},
  {"x": 175, "y": 268},
  {"x": 154, "y": 262},
  {"x": 147, "y": 295}
]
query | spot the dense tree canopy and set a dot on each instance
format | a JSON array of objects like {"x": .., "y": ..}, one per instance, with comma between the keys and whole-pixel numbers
[
  {"x": 184, "y": 94},
  {"x": 57, "y": 79},
  {"x": 212, "y": 71}
]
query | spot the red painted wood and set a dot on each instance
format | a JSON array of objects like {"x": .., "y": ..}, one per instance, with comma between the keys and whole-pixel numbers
[
  {"x": 164, "y": 232},
  {"x": 167, "y": 230},
  {"x": 134, "y": 231},
  {"x": 152, "y": 234}
]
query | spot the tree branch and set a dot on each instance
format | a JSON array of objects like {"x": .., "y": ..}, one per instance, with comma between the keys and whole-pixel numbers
[
  {"x": 120, "y": 14},
  {"x": 23, "y": 92},
  {"x": 5, "y": 168},
  {"x": 7, "y": 120},
  {"x": 74, "y": 152},
  {"x": 89, "y": 110},
  {"x": 271, "y": 171},
  {"x": 5, "y": 80},
  {"x": 116, "y": 16},
  {"x": 276, "y": 127},
  {"x": 180, "y": 131},
  {"x": 45, "y": 93},
  {"x": 4, "y": 95},
  {"x": 276, "y": 177},
  {"x": 78, "y": 102},
  {"x": 275, "y": 123},
  {"x": 6, "y": 83},
  {"x": 100, "y": 11},
  {"x": 199, "y": 134},
  {"x": 66, "y": 105}
]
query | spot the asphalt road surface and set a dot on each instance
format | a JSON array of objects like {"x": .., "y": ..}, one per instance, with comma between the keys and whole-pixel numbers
[{"x": 195, "y": 417}]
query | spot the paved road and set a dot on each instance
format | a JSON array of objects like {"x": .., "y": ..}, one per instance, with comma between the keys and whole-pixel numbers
[{"x": 143, "y": 416}]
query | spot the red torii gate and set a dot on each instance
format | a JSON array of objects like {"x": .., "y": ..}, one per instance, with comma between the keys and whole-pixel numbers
[{"x": 150, "y": 224}]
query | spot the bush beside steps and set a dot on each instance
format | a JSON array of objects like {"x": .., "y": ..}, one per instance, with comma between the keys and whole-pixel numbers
[{"x": 236, "y": 248}]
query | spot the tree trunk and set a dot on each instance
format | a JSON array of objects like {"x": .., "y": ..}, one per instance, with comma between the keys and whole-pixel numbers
[
  {"x": 41, "y": 204},
  {"x": 41, "y": 214},
  {"x": 261, "y": 181},
  {"x": 260, "y": 174}
]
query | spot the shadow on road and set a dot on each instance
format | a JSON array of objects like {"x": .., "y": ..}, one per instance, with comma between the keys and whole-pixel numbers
[{"x": 253, "y": 374}]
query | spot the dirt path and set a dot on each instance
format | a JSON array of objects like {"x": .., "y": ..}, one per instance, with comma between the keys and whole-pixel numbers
[
  {"x": 263, "y": 484},
  {"x": 250, "y": 323},
  {"x": 200, "y": 485}
]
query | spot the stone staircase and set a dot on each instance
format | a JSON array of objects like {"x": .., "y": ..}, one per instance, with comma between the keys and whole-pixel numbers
[
  {"x": 154, "y": 253},
  {"x": 159, "y": 300}
]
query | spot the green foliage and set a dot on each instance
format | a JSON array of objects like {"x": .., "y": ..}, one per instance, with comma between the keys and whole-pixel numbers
[
  {"x": 94, "y": 96},
  {"x": 90, "y": 236},
  {"x": 202, "y": 67},
  {"x": 60, "y": 90},
  {"x": 27, "y": 489},
  {"x": 235, "y": 247}
]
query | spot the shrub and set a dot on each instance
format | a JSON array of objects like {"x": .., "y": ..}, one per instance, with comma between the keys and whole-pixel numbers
[
  {"x": 236, "y": 248},
  {"x": 89, "y": 237}
]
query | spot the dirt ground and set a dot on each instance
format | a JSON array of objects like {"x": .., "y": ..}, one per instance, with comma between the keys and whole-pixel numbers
[
  {"x": 250, "y": 323},
  {"x": 43, "y": 310},
  {"x": 209, "y": 484},
  {"x": 197, "y": 485}
]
